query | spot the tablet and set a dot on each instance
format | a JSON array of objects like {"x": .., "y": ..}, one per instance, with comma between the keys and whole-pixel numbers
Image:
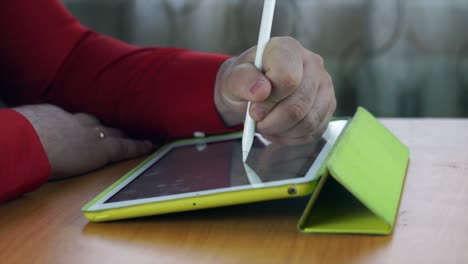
[{"x": 208, "y": 172}]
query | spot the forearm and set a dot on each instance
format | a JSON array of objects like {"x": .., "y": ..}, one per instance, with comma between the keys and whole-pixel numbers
[{"x": 154, "y": 92}]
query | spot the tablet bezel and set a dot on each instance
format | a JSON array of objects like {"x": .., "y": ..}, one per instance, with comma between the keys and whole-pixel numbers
[{"x": 98, "y": 204}]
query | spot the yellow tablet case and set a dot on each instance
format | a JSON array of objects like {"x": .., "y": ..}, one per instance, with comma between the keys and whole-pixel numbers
[
  {"x": 359, "y": 191},
  {"x": 194, "y": 202},
  {"x": 361, "y": 188}
]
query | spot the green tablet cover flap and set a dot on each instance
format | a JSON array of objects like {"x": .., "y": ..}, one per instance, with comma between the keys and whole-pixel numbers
[{"x": 361, "y": 190}]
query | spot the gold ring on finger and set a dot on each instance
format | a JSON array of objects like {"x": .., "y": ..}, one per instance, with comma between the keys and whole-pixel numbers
[{"x": 101, "y": 133}]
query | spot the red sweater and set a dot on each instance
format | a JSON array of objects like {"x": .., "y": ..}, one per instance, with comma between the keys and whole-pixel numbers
[{"x": 47, "y": 56}]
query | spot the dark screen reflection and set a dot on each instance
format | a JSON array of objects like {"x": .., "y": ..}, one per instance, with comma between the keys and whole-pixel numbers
[{"x": 218, "y": 165}]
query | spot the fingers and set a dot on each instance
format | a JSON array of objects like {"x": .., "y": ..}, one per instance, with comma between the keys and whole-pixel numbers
[
  {"x": 118, "y": 146},
  {"x": 298, "y": 106},
  {"x": 91, "y": 121},
  {"x": 118, "y": 149},
  {"x": 292, "y": 101},
  {"x": 88, "y": 120},
  {"x": 303, "y": 114},
  {"x": 283, "y": 65},
  {"x": 283, "y": 70},
  {"x": 297, "y": 135},
  {"x": 110, "y": 132},
  {"x": 309, "y": 129},
  {"x": 316, "y": 120}
]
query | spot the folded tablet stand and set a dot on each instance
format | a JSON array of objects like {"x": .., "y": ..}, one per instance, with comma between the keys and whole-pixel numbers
[{"x": 363, "y": 178}]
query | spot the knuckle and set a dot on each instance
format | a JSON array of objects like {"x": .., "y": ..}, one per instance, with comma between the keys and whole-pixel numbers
[
  {"x": 287, "y": 41},
  {"x": 319, "y": 60},
  {"x": 286, "y": 46},
  {"x": 290, "y": 81},
  {"x": 296, "y": 110},
  {"x": 316, "y": 59}
]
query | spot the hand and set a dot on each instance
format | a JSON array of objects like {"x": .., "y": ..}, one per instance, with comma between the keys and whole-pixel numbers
[
  {"x": 292, "y": 102},
  {"x": 74, "y": 143}
]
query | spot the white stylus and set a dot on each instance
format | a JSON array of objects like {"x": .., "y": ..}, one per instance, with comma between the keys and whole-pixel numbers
[
  {"x": 263, "y": 37},
  {"x": 254, "y": 180}
]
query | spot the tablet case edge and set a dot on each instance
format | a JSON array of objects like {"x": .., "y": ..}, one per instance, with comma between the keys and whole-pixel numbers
[{"x": 361, "y": 189}]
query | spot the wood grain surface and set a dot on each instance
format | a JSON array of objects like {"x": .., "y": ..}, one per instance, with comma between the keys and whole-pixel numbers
[{"x": 47, "y": 226}]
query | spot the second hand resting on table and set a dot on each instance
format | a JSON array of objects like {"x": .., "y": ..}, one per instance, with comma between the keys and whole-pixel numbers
[{"x": 292, "y": 103}]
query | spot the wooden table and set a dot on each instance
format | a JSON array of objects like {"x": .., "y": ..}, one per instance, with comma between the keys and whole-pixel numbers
[{"x": 432, "y": 227}]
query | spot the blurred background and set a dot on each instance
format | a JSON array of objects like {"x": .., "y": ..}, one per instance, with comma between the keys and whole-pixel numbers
[{"x": 400, "y": 58}]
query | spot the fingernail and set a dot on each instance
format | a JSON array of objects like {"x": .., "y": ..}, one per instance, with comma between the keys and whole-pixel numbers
[{"x": 257, "y": 85}]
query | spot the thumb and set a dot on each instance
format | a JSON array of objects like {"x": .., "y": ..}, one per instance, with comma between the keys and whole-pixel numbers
[{"x": 245, "y": 83}]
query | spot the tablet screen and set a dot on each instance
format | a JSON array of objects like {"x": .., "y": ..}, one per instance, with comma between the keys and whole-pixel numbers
[{"x": 194, "y": 168}]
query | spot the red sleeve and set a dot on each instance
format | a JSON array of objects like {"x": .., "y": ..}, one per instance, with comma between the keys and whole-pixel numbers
[
  {"x": 23, "y": 164},
  {"x": 153, "y": 92},
  {"x": 164, "y": 93},
  {"x": 47, "y": 56}
]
